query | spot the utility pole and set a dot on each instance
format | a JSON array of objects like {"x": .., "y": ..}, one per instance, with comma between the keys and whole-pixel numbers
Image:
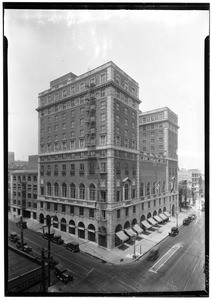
[
  {"x": 43, "y": 270},
  {"x": 22, "y": 233},
  {"x": 48, "y": 223}
]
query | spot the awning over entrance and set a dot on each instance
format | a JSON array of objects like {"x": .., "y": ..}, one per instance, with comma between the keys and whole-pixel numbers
[
  {"x": 152, "y": 221},
  {"x": 122, "y": 236},
  {"x": 137, "y": 228},
  {"x": 162, "y": 216},
  {"x": 166, "y": 213},
  {"x": 157, "y": 218},
  {"x": 130, "y": 232},
  {"x": 146, "y": 224}
]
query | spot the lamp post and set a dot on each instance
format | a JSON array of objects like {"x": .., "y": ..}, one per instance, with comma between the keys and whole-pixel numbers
[
  {"x": 134, "y": 252},
  {"x": 48, "y": 223}
]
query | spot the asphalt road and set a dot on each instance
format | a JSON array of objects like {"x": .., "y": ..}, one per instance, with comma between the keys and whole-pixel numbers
[{"x": 179, "y": 267}]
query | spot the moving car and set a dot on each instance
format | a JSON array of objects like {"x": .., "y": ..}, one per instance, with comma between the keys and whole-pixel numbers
[
  {"x": 14, "y": 237},
  {"x": 174, "y": 231},
  {"x": 63, "y": 274},
  {"x": 186, "y": 221},
  {"x": 73, "y": 246},
  {"x": 26, "y": 248},
  {"x": 153, "y": 253},
  {"x": 24, "y": 224}
]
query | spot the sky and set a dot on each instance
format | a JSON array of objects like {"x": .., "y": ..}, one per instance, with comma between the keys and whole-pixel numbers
[{"x": 162, "y": 50}]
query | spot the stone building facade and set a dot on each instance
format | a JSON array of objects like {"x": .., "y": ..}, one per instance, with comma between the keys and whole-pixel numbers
[{"x": 90, "y": 167}]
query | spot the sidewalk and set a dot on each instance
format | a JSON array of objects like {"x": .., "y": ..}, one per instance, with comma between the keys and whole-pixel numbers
[{"x": 122, "y": 254}]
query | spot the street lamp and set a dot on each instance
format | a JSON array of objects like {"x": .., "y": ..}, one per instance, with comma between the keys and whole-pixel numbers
[{"x": 48, "y": 223}]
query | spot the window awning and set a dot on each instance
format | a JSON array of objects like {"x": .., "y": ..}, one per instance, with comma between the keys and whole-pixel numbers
[
  {"x": 157, "y": 218},
  {"x": 130, "y": 232},
  {"x": 152, "y": 221},
  {"x": 166, "y": 213},
  {"x": 137, "y": 228},
  {"x": 122, "y": 236},
  {"x": 162, "y": 216},
  {"x": 146, "y": 224}
]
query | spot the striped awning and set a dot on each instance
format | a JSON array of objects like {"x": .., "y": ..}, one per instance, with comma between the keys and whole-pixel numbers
[
  {"x": 157, "y": 218},
  {"x": 152, "y": 221},
  {"x": 130, "y": 232},
  {"x": 146, "y": 224},
  {"x": 167, "y": 214},
  {"x": 122, "y": 236},
  {"x": 137, "y": 228},
  {"x": 162, "y": 216}
]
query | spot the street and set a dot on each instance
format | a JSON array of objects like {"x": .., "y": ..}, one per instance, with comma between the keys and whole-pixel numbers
[{"x": 179, "y": 267}]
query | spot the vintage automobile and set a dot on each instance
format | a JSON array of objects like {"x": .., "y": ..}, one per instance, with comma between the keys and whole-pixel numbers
[
  {"x": 186, "y": 221},
  {"x": 57, "y": 239},
  {"x": 73, "y": 246},
  {"x": 174, "y": 231},
  {"x": 26, "y": 248},
  {"x": 153, "y": 253},
  {"x": 14, "y": 237},
  {"x": 22, "y": 224},
  {"x": 63, "y": 274}
]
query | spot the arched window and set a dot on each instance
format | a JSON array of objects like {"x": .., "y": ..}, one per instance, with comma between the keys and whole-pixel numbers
[
  {"x": 92, "y": 192},
  {"x": 82, "y": 191},
  {"x": 56, "y": 189},
  {"x": 148, "y": 189},
  {"x": 153, "y": 188},
  {"x": 29, "y": 178},
  {"x": 73, "y": 190},
  {"x": 49, "y": 189},
  {"x": 126, "y": 192},
  {"x": 142, "y": 189},
  {"x": 64, "y": 189}
]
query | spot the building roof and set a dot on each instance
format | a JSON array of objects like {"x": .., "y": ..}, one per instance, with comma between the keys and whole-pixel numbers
[{"x": 156, "y": 110}]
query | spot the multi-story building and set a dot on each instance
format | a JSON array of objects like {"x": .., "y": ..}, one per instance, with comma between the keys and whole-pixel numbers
[
  {"x": 24, "y": 185},
  {"x": 158, "y": 135},
  {"x": 194, "y": 177},
  {"x": 92, "y": 179}
]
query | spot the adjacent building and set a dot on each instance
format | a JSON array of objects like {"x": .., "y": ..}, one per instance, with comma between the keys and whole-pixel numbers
[
  {"x": 94, "y": 179},
  {"x": 194, "y": 178},
  {"x": 11, "y": 158},
  {"x": 24, "y": 185}
]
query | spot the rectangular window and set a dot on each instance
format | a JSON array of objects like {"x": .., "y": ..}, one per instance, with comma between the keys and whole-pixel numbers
[
  {"x": 72, "y": 171},
  {"x": 81, "y": 211},
  {"x": 103, "y": 105},
  {"x": 118, "y": 141},
  {"x": 117, "y": 196},
  {"x": 63, "y": 208},
  {"x": 126, "y": 122},
  {"x": 72, "y": 144},
  {"x": 126, "y": 211},
  {"x": 118, "y": 214},
  {"x": 117, "y": 118},
  {"x": 102, "y": 78},
  {"x": 102, "y": 141},
  {"x": 103, "y": 129},
  {"x": 81, "y": 143},
  {"x": 81, "y": 122},
  {"x": 134, "y": 209},
  {"x": 55, "y": 206},
  {"x": 103, "y": 117},
  {"x": 72, "y": 209},
  {"x": 48, "y": 205},
  {"x": 91, "y": 213}
]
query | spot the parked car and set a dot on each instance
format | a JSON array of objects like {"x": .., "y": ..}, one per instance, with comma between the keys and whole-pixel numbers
[
  {"x": 14, "y": 237},
  {"x": 26, "y": 248},
  {"x": 153, "y": 253},
  {"x": 73, "y": 246},
  {"x": 174, "y": 231},
  {"x": 190, "y": 218},
  {"x": 63, "y": 274},
  {"x": 22, "y": 224},
  {"x": 186, "y": 221},
  {"x": 57, "y": 239}
]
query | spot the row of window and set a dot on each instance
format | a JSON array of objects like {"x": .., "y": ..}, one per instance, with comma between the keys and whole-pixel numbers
[
  {"x": 91, "y": 168},
  {"x": 152, "y": 188},
  {"x": 152, "y": 141},
  {"x": 152, "y": 148},
  {"x": 152, "y": 133},
  {"x": 71, "y": 90},
  {"x": 73, "y": 191},
  {"x": 23, "y": 178},
  {"x": 150, "y": 127},
  {"x": 73, "y": 210},
  {"x": 155, "y": 117}
]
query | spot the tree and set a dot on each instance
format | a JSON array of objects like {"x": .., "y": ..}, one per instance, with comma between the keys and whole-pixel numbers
[{"x": 185, "y": 193}]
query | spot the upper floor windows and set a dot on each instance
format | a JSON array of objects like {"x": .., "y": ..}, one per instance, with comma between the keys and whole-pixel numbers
[{"x": 102, "y": 77}]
